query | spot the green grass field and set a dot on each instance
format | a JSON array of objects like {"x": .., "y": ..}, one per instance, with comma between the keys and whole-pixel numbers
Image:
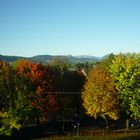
[{"x": 94, "y": 138}]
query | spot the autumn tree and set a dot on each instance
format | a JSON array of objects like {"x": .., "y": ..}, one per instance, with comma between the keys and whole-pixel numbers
[
  {"x": 100, "y": 95},
  {"x": 25, "y": 93},
  {"x": 4, "y": 93},
  {"x": 125, "y": 70},
  {"x": 8, "y": 85},
  {"x": 15, "y": 99},
  {"x": 43, "y": 78}
]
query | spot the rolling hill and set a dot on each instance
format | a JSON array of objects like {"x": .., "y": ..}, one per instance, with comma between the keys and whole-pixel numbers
[{"x": 47, "y": 58}]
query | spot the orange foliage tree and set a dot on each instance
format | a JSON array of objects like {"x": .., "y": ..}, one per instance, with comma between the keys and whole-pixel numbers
[{"x": 43, "y": 78}]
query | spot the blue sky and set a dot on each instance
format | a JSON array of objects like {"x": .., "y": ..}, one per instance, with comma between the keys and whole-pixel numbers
[{"x": 76, "y": 27}]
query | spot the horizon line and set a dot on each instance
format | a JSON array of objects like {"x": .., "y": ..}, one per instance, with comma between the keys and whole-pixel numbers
[{"x": 82, "y": 55}]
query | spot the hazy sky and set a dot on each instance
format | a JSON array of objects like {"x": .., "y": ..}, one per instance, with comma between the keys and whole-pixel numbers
[{"x": 76, "y": 27}]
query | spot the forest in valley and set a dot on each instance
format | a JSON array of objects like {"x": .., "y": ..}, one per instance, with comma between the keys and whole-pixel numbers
[{"x": 33, "y": 92}]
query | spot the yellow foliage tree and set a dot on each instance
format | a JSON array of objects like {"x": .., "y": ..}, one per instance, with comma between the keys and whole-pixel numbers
[{"x": 100, "y": 95}]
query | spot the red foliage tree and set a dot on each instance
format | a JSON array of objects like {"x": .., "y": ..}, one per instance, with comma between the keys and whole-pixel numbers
[{"x": 43, "y": 78}]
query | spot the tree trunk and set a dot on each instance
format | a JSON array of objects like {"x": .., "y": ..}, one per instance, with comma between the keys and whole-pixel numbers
[
  {"x": 127, "y": 124},
  {"x": 107, "y": 124},
  {"x": 63, "y": 126}
]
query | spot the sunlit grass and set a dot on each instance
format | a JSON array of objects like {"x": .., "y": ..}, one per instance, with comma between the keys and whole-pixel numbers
[{"x": 93, "y": 138}]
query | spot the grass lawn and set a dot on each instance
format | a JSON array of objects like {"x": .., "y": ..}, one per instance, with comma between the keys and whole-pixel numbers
[{"x": 94, "y": 138}]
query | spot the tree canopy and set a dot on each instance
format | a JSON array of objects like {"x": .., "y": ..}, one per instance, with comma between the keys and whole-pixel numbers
[
  {"x": 100, "y": 95},
  {"x": 125, "y": 70}
]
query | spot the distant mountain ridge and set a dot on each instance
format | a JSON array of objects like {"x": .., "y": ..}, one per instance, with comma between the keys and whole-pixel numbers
[
  {"x": 47, "y": 58},
  {"x": 8, "y": 58},
  {"x": 87, "y": 56}
]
